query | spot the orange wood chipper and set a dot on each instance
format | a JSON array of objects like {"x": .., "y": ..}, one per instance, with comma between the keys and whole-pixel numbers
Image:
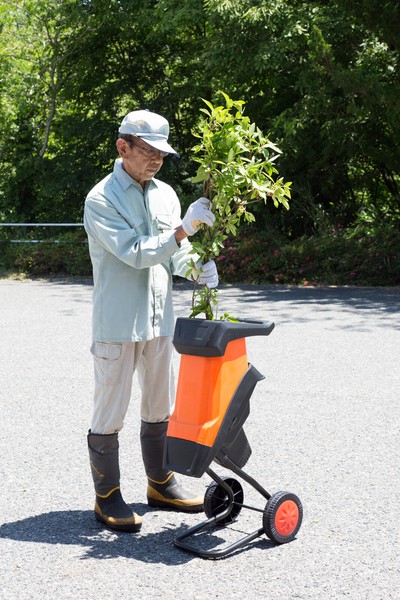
[{"x": 212, "y": 404}]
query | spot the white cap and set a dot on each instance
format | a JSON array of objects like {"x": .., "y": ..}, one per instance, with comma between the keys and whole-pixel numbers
[{"x": 149, "y": 127}]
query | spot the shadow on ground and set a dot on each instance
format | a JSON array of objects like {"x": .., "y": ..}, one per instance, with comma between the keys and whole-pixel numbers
[
  {"x": 79, "y": 528},
  {"x": 359, "y": 308}
]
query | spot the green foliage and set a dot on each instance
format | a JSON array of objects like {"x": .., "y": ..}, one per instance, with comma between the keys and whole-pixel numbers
[
  {"x": 363, "y": 256},
  {"x": 65, "y": 254},
  {"x": 321, "y": 77},
  {"x": 237, "y": 169},
  {"x": 360, "y": 257}
]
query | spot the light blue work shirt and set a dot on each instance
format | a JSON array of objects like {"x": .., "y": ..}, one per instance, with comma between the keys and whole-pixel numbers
[{"x": 134, "y": 255}]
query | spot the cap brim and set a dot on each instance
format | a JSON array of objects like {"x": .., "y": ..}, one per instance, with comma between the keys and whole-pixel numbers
[{"x": 160, "y": 145}]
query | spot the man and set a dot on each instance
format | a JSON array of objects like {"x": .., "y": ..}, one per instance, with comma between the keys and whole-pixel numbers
[{"x": 137, "y": 241}]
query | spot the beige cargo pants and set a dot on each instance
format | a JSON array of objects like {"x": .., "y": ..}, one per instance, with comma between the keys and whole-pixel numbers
[{"x": 114, "y": 367}]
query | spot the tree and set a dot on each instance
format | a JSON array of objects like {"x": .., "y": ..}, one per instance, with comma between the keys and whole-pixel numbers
[
  {"x": 321, "y": 78},
  {"x": 137, "y": 54},
  {"x": 36, "y": 38}
]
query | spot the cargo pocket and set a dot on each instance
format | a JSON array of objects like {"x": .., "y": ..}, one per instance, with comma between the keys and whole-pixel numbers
[{"x": 106, "y": 363}]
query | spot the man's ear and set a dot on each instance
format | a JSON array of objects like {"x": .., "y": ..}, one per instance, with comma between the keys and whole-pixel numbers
[{"x": 122, "y": 147}]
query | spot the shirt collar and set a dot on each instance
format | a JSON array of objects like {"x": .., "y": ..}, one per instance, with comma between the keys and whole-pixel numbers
[{"x": 124, "y": 179}]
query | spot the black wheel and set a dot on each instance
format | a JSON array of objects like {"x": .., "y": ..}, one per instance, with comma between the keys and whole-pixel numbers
[
  {"x": 216, "y": 500},
  {"x": 282, "y": 517}
]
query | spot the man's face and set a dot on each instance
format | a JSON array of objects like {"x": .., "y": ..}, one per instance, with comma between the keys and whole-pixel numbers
[{"x": 142, "y": 161}]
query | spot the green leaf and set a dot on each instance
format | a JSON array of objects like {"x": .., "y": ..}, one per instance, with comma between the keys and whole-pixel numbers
[{"x": 201, "y": 176}]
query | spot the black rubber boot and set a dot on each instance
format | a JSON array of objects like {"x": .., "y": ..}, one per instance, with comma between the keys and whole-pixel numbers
[
  {"x": 163, "y": 489},
  {"x": 110, "y": 507}
]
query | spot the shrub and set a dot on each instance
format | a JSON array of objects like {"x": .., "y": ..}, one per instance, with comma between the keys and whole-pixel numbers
[
  {"x": 66, "y": 254},
  {"x": 336, "y": 259},
  {"x": 359, "y": 257}
]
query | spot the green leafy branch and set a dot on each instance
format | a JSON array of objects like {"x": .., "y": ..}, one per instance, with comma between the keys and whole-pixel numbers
[{"x": 237, "y": 169}]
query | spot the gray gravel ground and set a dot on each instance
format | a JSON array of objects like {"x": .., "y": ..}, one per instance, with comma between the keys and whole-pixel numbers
[{"x": 324, "y": 424}]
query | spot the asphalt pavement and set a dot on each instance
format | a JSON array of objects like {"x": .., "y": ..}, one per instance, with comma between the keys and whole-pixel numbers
[{"x": 324, "y": 424}]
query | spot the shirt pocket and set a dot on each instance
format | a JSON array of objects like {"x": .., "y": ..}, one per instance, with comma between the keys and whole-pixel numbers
[
  {"x": 164, "y": 222},
  {"x": 106, "y": 362}
]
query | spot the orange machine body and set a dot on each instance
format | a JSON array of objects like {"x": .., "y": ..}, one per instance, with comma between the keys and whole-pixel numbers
[{"x": 205, "y": 388}]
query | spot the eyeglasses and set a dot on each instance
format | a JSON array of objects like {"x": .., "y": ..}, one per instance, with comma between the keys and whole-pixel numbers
[{"x": 149, "y": 152}]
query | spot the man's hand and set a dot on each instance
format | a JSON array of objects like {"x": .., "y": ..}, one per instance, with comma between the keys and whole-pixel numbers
[
  {"x": 208, "y": 275},
  {"x": 197, "y": 213}
]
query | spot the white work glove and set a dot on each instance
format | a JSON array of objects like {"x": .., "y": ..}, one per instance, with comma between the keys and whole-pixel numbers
[
  {"x": 197, "y": 213},
  {"x": 208, "y": 275}
]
